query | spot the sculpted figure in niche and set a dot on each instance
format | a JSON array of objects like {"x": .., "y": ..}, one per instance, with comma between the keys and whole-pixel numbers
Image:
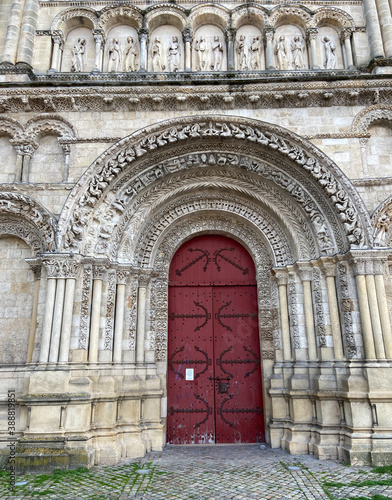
[
  {"x": 174, "y": 56},
  {"x": 156, "y": 53},
  {"x": 329, "y": 50},
  {"x": 243, "y": 53},
  {"x": 79, "y": 55},
  {"x": 255, "y": 54},
  {"x": 217, "y": 51},
  {"x": 297, "y": 48},
  {"x": 281, "y": 53},
  {"x": 202, "y": 51},
  {"x": 131, "y": 55},
  {"x": 114, "y": 55}
]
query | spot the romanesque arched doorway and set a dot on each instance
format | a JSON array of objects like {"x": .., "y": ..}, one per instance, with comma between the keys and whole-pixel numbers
[{"x": 214, "y": 372}]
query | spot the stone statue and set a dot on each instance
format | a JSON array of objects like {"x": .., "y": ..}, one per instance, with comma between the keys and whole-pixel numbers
[
  {"x": 131, "y": 55},
  {"x": 174, "y": 55},
  {"x": 115, "y": 56},
  {"x": 202, "y": 51},
  {"x": 297, "y": 48},
  {"x": 281, "y": 53},
  {"x": 255, "y": 54},
  {"x": 79, "y": 55},
  {"x": 217, "y": 51},
  {"x": 243, "y": 53},
  {"x": 157, "y": 55},
  {"x": 329, "y": 50}
]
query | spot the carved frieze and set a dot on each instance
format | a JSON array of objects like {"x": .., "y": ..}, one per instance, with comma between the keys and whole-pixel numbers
[
  {"x": 85, "y": 307},
  {"x": 61, "y": 266}
]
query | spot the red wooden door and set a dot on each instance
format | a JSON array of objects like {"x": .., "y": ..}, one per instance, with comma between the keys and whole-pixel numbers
[{"x": 214, "y": 373}]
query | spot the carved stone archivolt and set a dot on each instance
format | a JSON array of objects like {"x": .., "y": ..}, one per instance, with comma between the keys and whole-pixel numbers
[
  {"x": 124, "y": 157},
  {"x": 19, "y": 212},
  {"x": 371, "y": 114}
]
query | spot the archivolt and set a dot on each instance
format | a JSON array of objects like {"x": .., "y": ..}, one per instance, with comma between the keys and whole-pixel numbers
[
  {"x": 94, "y": 186},
  {"x": 366, "y": 117},
  {"x": 21, "y": 215}
]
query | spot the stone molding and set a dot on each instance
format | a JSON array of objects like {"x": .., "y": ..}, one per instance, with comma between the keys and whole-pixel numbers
[
  {"x": 62, "y": 266},
  {"x": 103, "y": 173},
  {"x": 19, "y": 213},
  {"x": 366, "y": 117}
]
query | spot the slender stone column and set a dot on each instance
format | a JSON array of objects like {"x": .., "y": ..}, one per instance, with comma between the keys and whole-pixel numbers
[
  {"x": 383, "y": 307},
  {"x": 19, "y": 161},
  {"x": 66, "y": 147},
  {"x": 141, "y": 318},
  {"x": 122, "y": 278},
  {"x": 385, "y": 19},
  {"x": 57, "y": 318},
  {"x": 67, "y": 319},
  {"x": 56, "y": 39},
  {"x": 269, "y": 36},
  {"x": 346, "y": 39},
  {"x": 372, "y": 29},
  {"x": 305, "y": 273},
  {"x": 330, "y": 273},
  {"x": 27, "y": 34},
  {"x": 37, "y": 274},
  {"x": 13, "y": 30},
  {"x": 282, "y": 279},
  {"x": 48, "y": 319},
  {"x": 311, "y": 36},
  {"x": 98, "y": 273},
  {"x": 187, "y": 34},
  {"x": 363, "y": 141},
  {"x": 99, "y": 40},
  {"x": 375, "y": 316},
  {"x": 367, "y": 331},
  {"x": 230, "y": 35},
  {"x": 143, "y": 34}
]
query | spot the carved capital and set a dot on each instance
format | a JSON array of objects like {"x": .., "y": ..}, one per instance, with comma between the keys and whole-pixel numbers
[
  {"x": 359, "y": 266},
  {"x": 122, "y": 277},
  {"x": 187, "y": 34},
  {"x": 269, "y": 34},
  {"x": 62, "y": 267},
  {"x": 66, "y": 147},
  {"x": 24, "y": 149},
  {"x": 305, "y": 271},
  {"x": 311, "y": 33},
  {"x": 144, "y": 280},
  {"x": 99, "y": 272},
  {"x": 281, "y": 276},
  {"x": 230, "y": 34},
  {"x": 99, "y": 36},
  {"x": 36, "y": 267},
  {"x": 143, "y": 34},
  {"x": 329, "y": 268},
  {"x": 345, "y": 34}
]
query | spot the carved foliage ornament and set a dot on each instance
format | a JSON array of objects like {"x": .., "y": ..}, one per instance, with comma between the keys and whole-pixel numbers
[
  {"x": 22, "y": 206},
  {"x": 96, "y": 181},
  {"x": 367, "y": 116},
  {"x": 381, "y": 222}
]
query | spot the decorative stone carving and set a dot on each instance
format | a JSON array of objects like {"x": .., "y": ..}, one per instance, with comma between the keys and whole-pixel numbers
[
  {"x": 19, "y": 205},
  {"x": 114, "y": 55},
  {"x": 329, "y": 52},
  {"x": 297, "y": 48},
  {"x": 99, "y": 272},
  {"x": 347, "y": 310},
  {"x": 85, "y": 307},
  {"x": 110, "y": 305},
  {"x": 281, "y": 53},
  {"x": 131, "y": 317},
  {"x": 174, "y": 55},
  {"x": 367, "y": 116},
  {"x": 270, "y": 137},
  {"x": 201, "y": 48},
  {"x": 217, "y": 52},
  {"x": 243, "y": 53},
  {"x": 320, "y": 318},
  {"x": 62, "y": 267},
  {"x": 79, "y": 55},
  {"x": 255, "y": 51},
  {"x": 131, "y": 55},
  {"x": 24, "y": 230},
  {"x": 381, "y": 222},
  {"x": 60, "y": 21}
]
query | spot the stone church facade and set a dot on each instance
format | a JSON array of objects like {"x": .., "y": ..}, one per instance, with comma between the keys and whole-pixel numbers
[{"x": 127, "y": 130}]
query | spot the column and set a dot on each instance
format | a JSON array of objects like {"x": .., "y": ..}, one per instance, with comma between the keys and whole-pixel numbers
[
  {"x": 19, "y": 161},
  {"x": 330, "y": 273},
  {"x": 122, "y": 277},
  {"x": 68, "y": 313},
  {"x": 363, "y": 141},
  {"x": 27, "y": 34},
  {"x": 269, "y": 36},
  {"x": 98, "y": 273},
  {"x": 66, "y": 147},
  {"x": 230, "y": 35},
  {"x": 143, "y": 33},
  {"x": 367, "y": 332},
  {"x": 141, "y": 318},
  {"x": 282, "y": 279},
  {"x": 52, "y": 269},
  {"x": 12, "y": 33},
  {"x": 37, "y": 274},
  {"x": 372, "y": 29},
  {"x": 187, "y": 34},
  {"x": 311, "y": 36},
  {"x": 28, "y": 151},
  {"x": 385, "y": 20},
  {"x": 346, "y": 39},
  {"x": 57, "y": 318},
  {"x": 375, "y": 316},
  {"x": 56, "y": 39},
  {"x": 305, "y": 273},
  {"x": 98, "y": 39},
  {"x": 383, "y": 307}
]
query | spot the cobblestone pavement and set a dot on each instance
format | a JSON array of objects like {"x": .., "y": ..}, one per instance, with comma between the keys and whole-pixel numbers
[{"x": 209, "y": 473}]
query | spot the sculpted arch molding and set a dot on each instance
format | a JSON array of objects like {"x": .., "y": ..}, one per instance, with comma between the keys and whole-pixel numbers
[{"x": 122, "y": 158}]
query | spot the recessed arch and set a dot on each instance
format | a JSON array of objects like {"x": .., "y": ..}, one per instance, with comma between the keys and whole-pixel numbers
[{"x": 72, "y": 18}]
